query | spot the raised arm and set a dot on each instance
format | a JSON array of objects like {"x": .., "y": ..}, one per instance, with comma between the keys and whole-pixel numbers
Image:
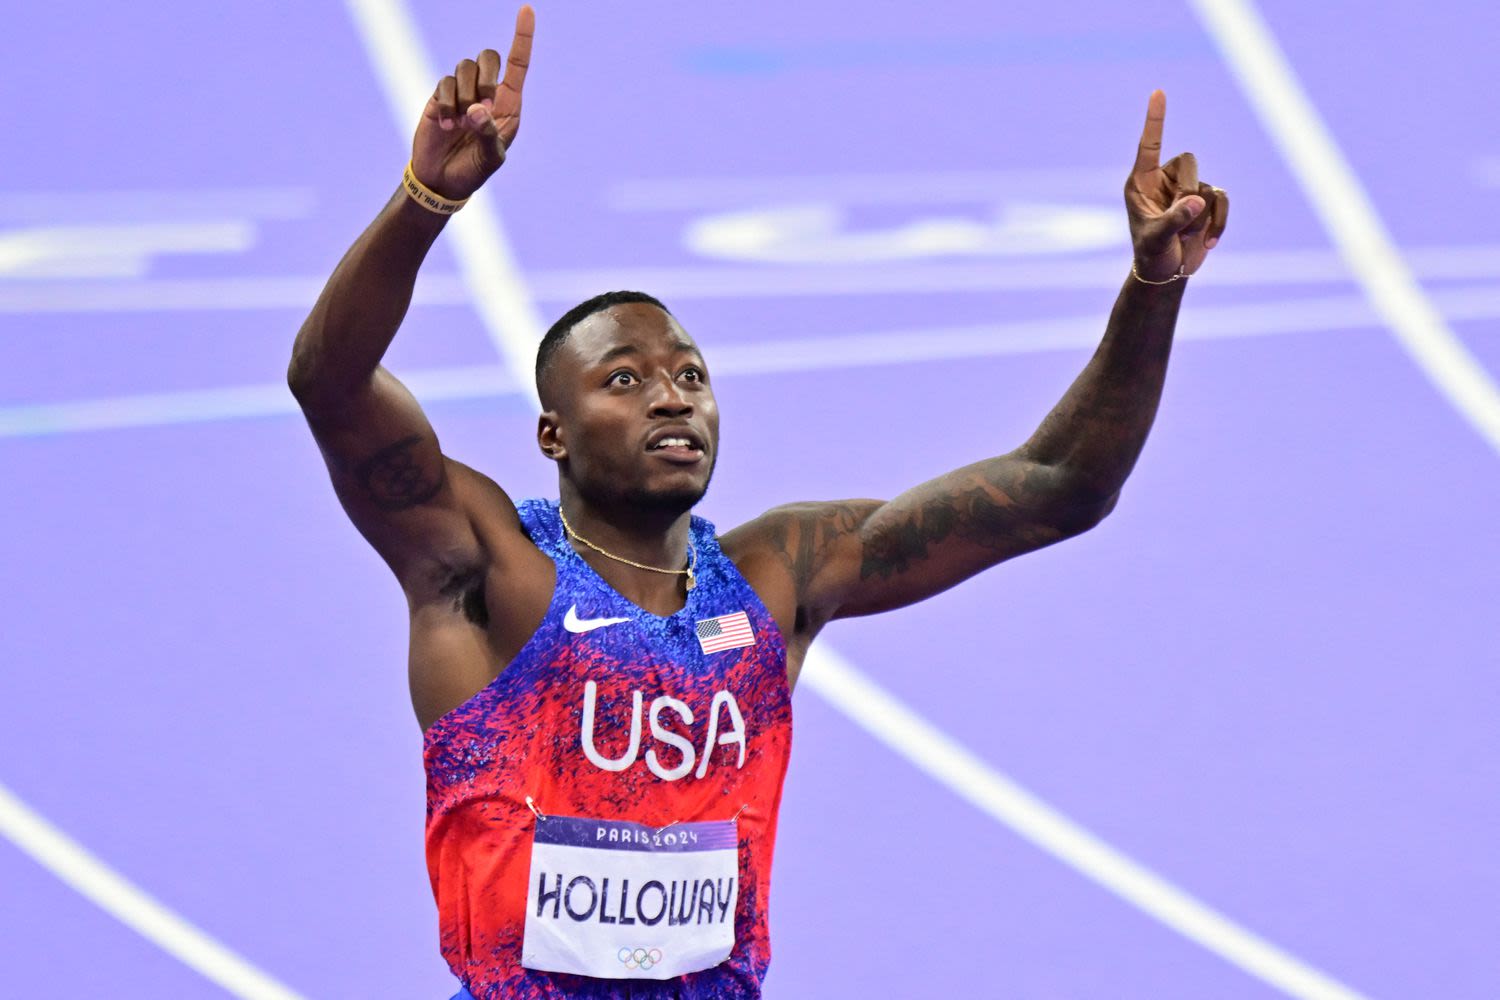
[
  {"x": 863, "y": 556},
  {"x": 384, "y": 459}
]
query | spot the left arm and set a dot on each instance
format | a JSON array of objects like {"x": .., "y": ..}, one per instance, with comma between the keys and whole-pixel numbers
[{"x": 864, "y": 556}]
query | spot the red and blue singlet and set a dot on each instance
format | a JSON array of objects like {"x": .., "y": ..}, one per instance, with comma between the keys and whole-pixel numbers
[{"x": 609, "y": 711}]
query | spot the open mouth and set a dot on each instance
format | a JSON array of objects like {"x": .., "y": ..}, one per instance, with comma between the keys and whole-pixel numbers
[{"x": 681, "y": 448}]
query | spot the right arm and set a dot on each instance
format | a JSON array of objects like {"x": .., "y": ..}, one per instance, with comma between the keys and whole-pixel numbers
[
  {"x": 389, "y": 472},
  {"x": 382, "y": 454}
]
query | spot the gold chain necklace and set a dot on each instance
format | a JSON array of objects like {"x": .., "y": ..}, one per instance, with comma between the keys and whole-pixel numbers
[{"x": 692, "y": 581}]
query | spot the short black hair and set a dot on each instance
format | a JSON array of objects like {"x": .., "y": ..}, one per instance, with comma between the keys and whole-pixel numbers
[{"x": 558, "y": 332}]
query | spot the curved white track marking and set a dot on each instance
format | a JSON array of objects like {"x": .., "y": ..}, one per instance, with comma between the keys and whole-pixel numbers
[
  {"x": 392, "y": 35},
  {"x": 110, "y": 891},
  {"x": 488, "y": 265},
  {"x": 941, "y": 758},
  {"x": 1346, "y": 211},
  {"x": 905, "y": 187}
]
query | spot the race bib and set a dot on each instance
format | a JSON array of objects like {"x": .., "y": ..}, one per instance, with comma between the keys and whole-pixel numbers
[{"x": 620, "y": 900}]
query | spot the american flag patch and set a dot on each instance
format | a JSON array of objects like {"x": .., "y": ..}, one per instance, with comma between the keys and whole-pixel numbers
[{"x": 725, "y": 632}]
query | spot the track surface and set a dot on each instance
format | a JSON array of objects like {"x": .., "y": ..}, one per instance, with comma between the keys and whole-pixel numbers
[{"x": 1271, "y": 677}]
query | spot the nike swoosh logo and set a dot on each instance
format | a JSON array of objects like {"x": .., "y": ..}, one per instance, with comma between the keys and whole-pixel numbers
[{"x": 573, "y": 623}]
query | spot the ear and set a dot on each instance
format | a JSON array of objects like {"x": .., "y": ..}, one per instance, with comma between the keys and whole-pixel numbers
[{"x": 549, "y": 436}]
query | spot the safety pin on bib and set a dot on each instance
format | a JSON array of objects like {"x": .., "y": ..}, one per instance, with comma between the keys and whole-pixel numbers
[
  {"x": 732, "y": 819},
  {"x": 531, "y": 804}
]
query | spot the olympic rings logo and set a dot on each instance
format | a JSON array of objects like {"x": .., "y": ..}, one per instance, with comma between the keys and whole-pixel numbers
[{"x": 639, "y": 958}]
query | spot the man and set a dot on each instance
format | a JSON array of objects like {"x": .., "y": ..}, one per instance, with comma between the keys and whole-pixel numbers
[{"x": 603, "y": 681}]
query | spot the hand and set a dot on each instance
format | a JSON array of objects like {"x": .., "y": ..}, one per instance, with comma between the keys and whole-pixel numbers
[
  {"x": 469, "y": 121},
  {"x": 1174, "y": 219}
]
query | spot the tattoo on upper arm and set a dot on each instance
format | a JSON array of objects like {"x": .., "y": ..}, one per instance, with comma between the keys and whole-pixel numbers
[
  {"x": 393, "y": 477},
  {"x": 804, "y": 536}
]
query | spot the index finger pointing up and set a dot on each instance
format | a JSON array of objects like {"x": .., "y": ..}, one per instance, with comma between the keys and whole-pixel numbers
[
  {"x": 1148, "y": 154},
  {"x": 520, "y": 50}
]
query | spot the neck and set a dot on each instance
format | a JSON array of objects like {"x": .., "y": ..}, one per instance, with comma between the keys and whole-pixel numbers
[{"x": 656, "y": 537}]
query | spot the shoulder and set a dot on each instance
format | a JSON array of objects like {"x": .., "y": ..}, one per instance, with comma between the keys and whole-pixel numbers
[
  {"x": 765, "y": 535},
  {"x": 799, "y": 542},
  {"x": 795, "y": 529},
  {"x": 789, "y": 553},
  {"x": 476, "y": 487}
]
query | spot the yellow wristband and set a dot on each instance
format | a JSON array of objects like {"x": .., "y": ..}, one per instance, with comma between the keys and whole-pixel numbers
[{"x": 426, "y": 197}]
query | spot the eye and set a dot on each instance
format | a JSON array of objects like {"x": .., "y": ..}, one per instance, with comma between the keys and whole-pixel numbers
[
  {"x": 691, "y": 374},
  {"x": 623, "y": 377}
]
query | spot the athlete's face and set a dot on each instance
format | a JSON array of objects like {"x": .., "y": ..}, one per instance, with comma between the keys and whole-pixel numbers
[{"x": 634, "y": 419}]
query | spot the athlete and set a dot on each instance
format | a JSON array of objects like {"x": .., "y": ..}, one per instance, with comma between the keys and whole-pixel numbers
[{"x": 603, "y": 681}]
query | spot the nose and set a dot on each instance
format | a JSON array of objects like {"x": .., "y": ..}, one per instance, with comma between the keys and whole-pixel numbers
[{"x": 668, "y": 400}]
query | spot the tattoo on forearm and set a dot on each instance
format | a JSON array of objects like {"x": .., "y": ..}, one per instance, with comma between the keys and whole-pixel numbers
[
  {"x": 1066, "y": 477},
  {"x": 1061, "y": 482},
  {"x": 1100, "y": 425},
  {"x": 394, "y": 479}
]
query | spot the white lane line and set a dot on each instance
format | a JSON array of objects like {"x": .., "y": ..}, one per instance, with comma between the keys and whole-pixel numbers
[
  {"x": 488, "y": 264},
  {"x": 122, "y": 899},
  {"x": 1346, "y": 211},
  {"x": 764, "y": 357},
  {"x": 196, "y": 406},
  {"x": 1247, "y": 269},
  {"x": 706, "y": 281},
  {"x": 193, "y": 294},
  {"x": 952, "y": 765},
  {"x": 180, "y": 205},
  {"x": 939, "y": 756},
  {"x": 115, "y": 249}
]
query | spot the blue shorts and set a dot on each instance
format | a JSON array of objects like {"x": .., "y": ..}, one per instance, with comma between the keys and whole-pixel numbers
[{"x": 463, "y": 994}]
